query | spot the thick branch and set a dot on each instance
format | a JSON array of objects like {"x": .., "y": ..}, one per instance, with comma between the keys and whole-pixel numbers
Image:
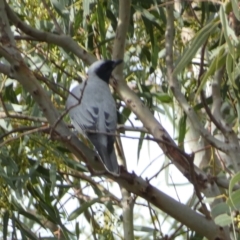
[
  {"x": 177, "y": 210},
  {"x": 121, "y": 34}
]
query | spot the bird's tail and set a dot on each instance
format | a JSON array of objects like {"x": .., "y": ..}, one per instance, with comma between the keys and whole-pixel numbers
[
  {"x": 114, "y": 164},
  {"x": 110, "y": 161}
]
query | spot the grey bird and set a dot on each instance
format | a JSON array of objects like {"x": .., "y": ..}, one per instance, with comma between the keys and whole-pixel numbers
[{"x": 92, "y": 110}]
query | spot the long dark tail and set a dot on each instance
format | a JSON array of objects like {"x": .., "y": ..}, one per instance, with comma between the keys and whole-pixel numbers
[{"x": 109, "y": 159}]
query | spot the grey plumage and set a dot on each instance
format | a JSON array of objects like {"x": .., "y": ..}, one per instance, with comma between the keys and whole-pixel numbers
[{"x": 94, "y": 113}]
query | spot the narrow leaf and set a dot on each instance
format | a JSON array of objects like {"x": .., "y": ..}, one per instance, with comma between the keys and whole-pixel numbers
[
  {"x": 234, "y": 180},
  {"x": 235, "y": 8},
  {"x": 217, "y": 63},
  {"x": 53, "y": 173},
  {"x": 5, "y": 225},
  {"x": 234, "y": 200},
  {"x": 31, "y": 216},
  {"x": 81, "y": 209},
  {"x": 197, "y": 42},
  {"x": 226, "y": 29},
  {"x": 140, "y": 143},
  {"x": 182, "y": 131}
]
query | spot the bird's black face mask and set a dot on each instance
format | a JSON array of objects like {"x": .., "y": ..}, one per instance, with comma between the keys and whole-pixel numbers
[{"x": 105, "y": 70}]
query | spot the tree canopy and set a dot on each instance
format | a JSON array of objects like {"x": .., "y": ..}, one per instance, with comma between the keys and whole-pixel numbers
[{"x": 181, "y": 60}]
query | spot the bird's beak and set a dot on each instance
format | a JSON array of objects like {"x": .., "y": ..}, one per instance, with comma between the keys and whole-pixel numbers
[{"x": 117, "y": 62}]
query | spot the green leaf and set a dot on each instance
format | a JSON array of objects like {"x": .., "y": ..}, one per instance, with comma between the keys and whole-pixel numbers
[
  {"x": 235, "y": 8},
  {"x": 235, "y": 179},
  {"x": 216, "y": 64},
  {"x": 152, "y": 20},
  {"x": 123, "y": 117},
  {"x": 32, "y": 217},
  {"x": 149, "y": 29},
  {"x": 234, "y": 200},
  {"x": 197, "y": 42},
  {"x": 77, "y": 230},
  {"x": 227, "y": 30},
  {"x": 53, "y": 173},
  {"x": 10, "y": 94},
  {"x": 219, "y": 209},
  {"x": 163, "y": 97},
  {"x": 97, "y": 191},
  {"x": 199, "y": 106},
  {"x": 60, "y": 8},
  {"x": 112, "y": 18},
  {"x": 182, "y": 130},
  {"x": 14, "y": 107},
  {"x": 101, "y": 25},
  {"x": 75, "y": 165},
  {"x": 155, "y": 51},
  {"x": 5, "y": 225},
  {"x": 158, "y": 109},
  {"x": 140, "y": 143},
  {"x": 223, "y": 220},
  {"x": 145, "y": 52},
  {"x": 81, "y": 209},
  {"x": 5, "y": 125},
  {"x": 229, "y": 68},
  {"x": 25, "y": 231}
]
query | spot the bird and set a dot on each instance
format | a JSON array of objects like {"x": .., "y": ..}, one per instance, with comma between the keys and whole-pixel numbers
[{"x": 93, "y": 112}]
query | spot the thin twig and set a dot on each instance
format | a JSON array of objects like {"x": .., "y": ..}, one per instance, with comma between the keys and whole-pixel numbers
[
  {"x": 39, "y": 129},
  {"x": 20, "y": 129},
  {"x": 23, "y": 117},
  {"x": 58, "y": 28}
]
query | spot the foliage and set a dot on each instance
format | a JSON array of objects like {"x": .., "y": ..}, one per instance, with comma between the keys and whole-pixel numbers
[{"x": 46, "y": 189}]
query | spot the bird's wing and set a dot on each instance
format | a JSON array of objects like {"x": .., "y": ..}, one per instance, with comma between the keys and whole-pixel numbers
[
  {"x": 110, "y": 128},
  {"x": 81, "y": 111}
]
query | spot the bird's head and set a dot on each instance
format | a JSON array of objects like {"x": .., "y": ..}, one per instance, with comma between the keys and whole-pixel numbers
[{"x": 103, "y": 69}]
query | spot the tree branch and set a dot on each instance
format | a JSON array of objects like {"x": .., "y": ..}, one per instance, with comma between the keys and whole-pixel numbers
[
  {"x": 118, "y": 53},
  {"x": 179, "y": 211}
]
